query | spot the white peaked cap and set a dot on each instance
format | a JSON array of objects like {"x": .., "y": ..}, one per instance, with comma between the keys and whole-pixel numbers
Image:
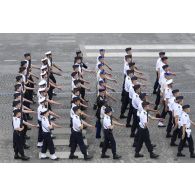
[{"x": 42, "y": 82}]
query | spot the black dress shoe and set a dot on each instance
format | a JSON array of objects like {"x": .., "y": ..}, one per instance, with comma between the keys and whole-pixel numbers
[
  {"x": 155, "y": 107},
  {"x": 132, "y": 135},
  {"x": 27, "y": 137},
  {"x": 94, "y": 106},
  {"x": 88, "y": 157},
  {"x": 53, "y": 137},
  {"x": 25, "y": 158},
  {"x": 179, "y": 154},
  {"x": 105, "y": 156},
  {"x": 26, "y": 146},
  {"x": 154, "y": 92},
  {"x": 152, "y": 155},
  {"x": 192, "y": 155},
  {"x": 28, "y": 128},
  {"x": 54, "y": 94},
  {"x": 16, "y": 156},
  {"x": 116, "y": 157},
  {"x": 53, "y": 118},
  {"x": 123, "y": 116},
  {"x": 101, "y": 144},
  {"x": 138, "y": 155},
  {"x": 73, "y": 157},
  {"x": 173, "y": 144},
  {"x": 128, "y": 125},
  {"x": 134, "y": 145},
  {"x": 154, "y": 145},
  {"x": 168, "y": 135}
]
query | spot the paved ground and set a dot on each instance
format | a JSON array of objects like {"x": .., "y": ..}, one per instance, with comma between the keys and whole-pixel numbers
[{"x": 63, "y": 46}]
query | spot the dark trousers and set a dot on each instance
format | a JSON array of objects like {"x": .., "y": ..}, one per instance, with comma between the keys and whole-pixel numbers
[
  {"x": 135, "y": 121},
  {"x": 47, "y": 143},
  {"x": 157, "y": 102},
  {"x": 130, "y": 113},
  {"x": 164, "y": 113},
  {"x": 109, "y": 139},
  {"x": 18, "y": 143},
  {"x": 82, "y": 91},
  {"x": 156, "y": 82},
  {"x": 125, "y": 102},
  {"x": 170, "y": 123},
  {"x": 143, "y": 137},
  {"x": 77, "y": 139},
  {"x": 123, "y": 89},
  {"x": 176, "y": 133},
  {"x": 190, "y": 142},
  {"x": 98, "y": 128},
  {"x": 40, "y": 132}
]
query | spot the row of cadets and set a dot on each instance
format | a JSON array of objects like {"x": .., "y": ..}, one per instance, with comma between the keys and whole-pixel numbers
[
  {"x": 78, "y": 102},
  {"x": 179, "y": 120}
]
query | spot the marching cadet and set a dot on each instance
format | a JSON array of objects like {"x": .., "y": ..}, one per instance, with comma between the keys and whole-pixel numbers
[
  {"x": 102, "y": 54},
  {"x": 127, "y": 61},
  {"x": 108, "y": 125},
  {"x": 100, "y": 102},
  {"x": 177, "y": 114},
  {"x": 167, "y": 96},
  {"x": 18, "y": 139},
  {"x": 128, "y": 51},
  {"x": 40, "y": 109},
  {"x": 77, "y": 137},
  {"x": 125, "y": 100},
  {"x": 143, "y": 135},
  {"x": 135, "y": 103},
  {"x": 171, "y": 99},
  {"x": 47, "y": 126},
  {"x": 158, "y": 67},
  {"x": 131, "y": 93},
  {"x": 186, "y": 132}
]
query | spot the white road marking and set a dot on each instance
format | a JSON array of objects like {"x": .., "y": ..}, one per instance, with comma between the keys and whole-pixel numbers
[
  {"x": 10, "y": 60},
  {"x": 61, "y": 41},
  {"x": 139, "y": 46},
  {"x": 61, "y": 37},
  {"x": 143, "y": 54}
]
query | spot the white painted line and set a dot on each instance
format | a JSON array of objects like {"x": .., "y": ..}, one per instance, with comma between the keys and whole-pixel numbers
[
  {"x": 64, "y": 142},
  {"x": 61, "y": 41},
  {"x": 61, "y": 37},
  {"x": 10, "y": 60},
  {"x": 138, "y": 46},
  {"x": 64, "y": 155},
  {"x": 143, "y": 54}
]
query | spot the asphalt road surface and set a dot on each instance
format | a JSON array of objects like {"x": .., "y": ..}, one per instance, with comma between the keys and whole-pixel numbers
[{"x": 180, "y": 48}]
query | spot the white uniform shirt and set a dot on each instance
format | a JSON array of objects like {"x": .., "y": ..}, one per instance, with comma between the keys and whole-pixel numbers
[
  {"x": 106, "y": 121},
  {"x": 185, "y": 120},
  {"x": 136, "y": 101},
  {"x": 158, "y": 63},
  {"x": 76, "y": 123},
  {"x": 143, "y": 118},
  {"x": 140, "y": 108},
  {"x": 131, "y": 91},
  {"x": 39, "y": 110},
  {"x": 71, "y": 110},
  {"x": 168, "y": 94},
  {"x": 171, "y": 103},
  {"x": 128, "y": 83},
  {"x": 16, "y": 122},
  {"x": 126, "y": 67},
  {"x": 102, "y": 112},
  {"x": 177, "y": 111},
  {"x": 45, "y": 124}
]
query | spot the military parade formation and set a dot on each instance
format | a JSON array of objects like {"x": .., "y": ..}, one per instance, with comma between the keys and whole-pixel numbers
[{"x": 135, "y": 102}]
